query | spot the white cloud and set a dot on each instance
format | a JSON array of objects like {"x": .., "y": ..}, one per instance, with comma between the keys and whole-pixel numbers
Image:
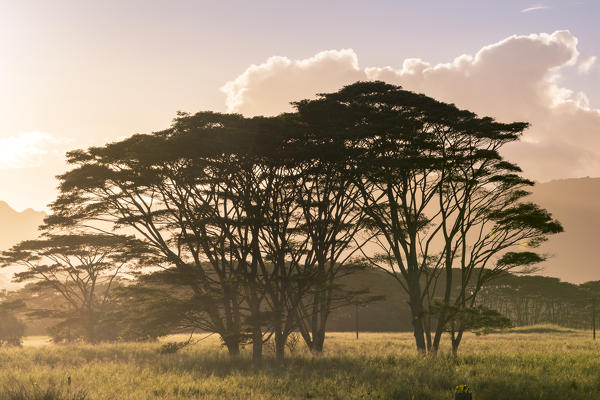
[
  {"x": 269, "y": 87},
  {"x": 586, "y": 64},
  {"x": 516, "y": 79},
  {"x": 27, "y": 150},
  {"x": 534, "y": 8}
]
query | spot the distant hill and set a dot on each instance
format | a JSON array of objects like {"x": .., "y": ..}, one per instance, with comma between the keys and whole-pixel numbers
[
  {"x": 576, "y": 204},
  {"x": 14, "y": 227}
]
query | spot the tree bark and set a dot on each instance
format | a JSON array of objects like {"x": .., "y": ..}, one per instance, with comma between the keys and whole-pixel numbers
[
  {"x": 418, "y": 331},
  {"x": 257, "y": 346},
  {"x": 233, "y": 345},
  {"x": 280, "y": 340}
]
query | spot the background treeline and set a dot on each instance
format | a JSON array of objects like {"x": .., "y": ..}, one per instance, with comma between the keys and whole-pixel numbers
[{"x": 526, "y": 300}]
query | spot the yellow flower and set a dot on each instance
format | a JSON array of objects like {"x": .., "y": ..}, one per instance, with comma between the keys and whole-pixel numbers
[{"x": 462, "y": 389}]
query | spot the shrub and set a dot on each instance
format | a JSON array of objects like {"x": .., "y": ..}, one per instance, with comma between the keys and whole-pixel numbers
[{"x": 11, "y": 329}]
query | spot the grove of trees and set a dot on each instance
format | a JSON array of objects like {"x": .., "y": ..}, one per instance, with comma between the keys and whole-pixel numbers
[{"x": 254, "y": 222}]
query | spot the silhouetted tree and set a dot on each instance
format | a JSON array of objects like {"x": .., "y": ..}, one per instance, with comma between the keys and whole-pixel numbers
[
  {"x": 260, "y": 217},
  {"x": 486, "y": 225},
  {"x": 156, "y": 304},
  {"x": 430, "y": 178},
  {"x": 223, "y": 199},
  {"x": 166, "y": 186},
  {"x": 331, "y": 223}
]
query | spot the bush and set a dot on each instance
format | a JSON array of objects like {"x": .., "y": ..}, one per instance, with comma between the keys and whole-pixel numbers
[{"x": 11, "y": 329}]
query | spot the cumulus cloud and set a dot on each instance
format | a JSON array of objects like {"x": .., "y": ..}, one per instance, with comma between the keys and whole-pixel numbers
[
  {"x": 515, "y": 79},
  {"x": 27, "y": 150},
  {"x": 269, "y": 87}
]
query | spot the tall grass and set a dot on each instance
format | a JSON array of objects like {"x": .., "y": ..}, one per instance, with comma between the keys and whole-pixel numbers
[{"x": 543, "y": 363}]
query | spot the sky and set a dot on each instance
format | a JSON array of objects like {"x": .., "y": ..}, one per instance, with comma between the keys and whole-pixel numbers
[{"x": 80, "y": 73}]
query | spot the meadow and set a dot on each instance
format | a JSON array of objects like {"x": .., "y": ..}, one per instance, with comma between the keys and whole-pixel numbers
[{"x": 541, "y": 362}]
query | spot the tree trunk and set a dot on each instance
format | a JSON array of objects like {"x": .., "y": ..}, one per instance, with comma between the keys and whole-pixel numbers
[
  {"x": 419, "y": 335},
  {"x": 91, "y": 327},
  {"x": 306, "y": 336},
  {"x": 233, "y": 345},
  {"x": 280, "y": 340},
  {"x": 319, "y": 341},
  {"x": 427, "y": 327},
  {"x": 256, "y": 322},
  {"x": 416, "y": 309},
  {"x": 257, "y": 346},
  {"x": 442, "y": 318},
  {"x": 456, "y": 339},
  {"x": 320, "y": 329}
]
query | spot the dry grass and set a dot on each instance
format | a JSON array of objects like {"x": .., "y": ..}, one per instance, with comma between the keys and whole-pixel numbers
[{"x": 544, "y": 362}]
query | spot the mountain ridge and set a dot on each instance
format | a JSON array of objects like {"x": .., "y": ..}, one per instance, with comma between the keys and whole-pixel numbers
[{"x": 16, "y": 226}]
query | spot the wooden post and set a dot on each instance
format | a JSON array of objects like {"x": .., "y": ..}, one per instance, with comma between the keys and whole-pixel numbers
[
  {"x": 594, "y": 318},
  {"x": 356, "y": 318}
]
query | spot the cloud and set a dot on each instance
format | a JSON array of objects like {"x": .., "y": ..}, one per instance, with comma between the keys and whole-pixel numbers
[
  {"x": 27, "y": 150},
  {"x": 269, "y": 87},
  {"x": 534, "y": 8},
  {"x": 586, "y": 63},
  {"x": 515, "y": 79}
]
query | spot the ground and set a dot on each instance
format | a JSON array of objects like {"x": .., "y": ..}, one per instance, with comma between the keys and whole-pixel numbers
[{"x": 542, "y": 362}]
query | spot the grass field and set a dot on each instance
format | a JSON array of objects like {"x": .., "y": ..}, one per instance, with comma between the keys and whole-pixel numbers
[{"x": 529, "y": 363}]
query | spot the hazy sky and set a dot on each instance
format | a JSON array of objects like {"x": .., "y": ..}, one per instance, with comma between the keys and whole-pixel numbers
[{"x": 77, "y": 73}]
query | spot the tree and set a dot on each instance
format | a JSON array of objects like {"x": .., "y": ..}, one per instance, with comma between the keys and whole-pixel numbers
[
  {"x": 156, "y": 304},
  {"x": 260, "y": 217},
  {"x": 167, "y": 187},
  {"x": 221, "y": 199},
  {"x": 530, "y": 300},
  {"x": 488, "y": 227},
  {"x": 11, "y": 327},
  {"x": 83, "y": 268},
  {"x": 435, "y": 192},
  {"x": 331, "y": 223}
]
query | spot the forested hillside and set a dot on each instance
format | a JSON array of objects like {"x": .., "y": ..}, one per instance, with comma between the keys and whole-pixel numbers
[
  {"x": 576, "y": 204},
  {"x": 526, "y": 300}
]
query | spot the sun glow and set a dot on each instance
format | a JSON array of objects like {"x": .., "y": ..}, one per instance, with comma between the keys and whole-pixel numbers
[{"x": 25, "y": 150}]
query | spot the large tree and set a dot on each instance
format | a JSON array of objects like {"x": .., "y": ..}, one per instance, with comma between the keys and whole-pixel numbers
[
  {"x": 168, "y": 187},
  {"x": 435, "y": 191},
  {"x": 248, "y": 216},
  {"x": 487, "y": 224}
]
